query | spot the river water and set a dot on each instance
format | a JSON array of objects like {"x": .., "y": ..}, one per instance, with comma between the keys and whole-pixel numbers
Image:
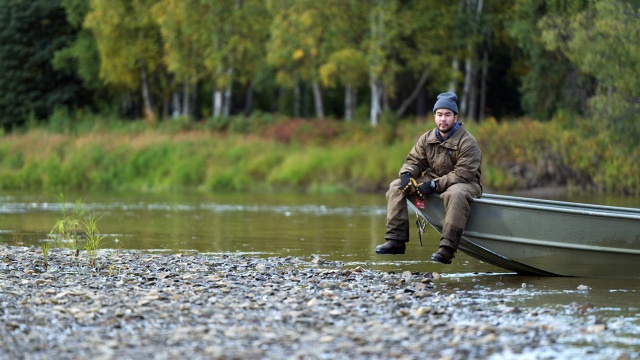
[{"x": 343, "y": 229}]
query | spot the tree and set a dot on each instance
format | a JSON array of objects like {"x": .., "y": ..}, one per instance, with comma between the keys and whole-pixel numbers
[
  {"x": 549, "y": 80},
  {"x": 346, "y": 63},
  {"x": 179, "y": 25},
  {"x": 381, "y": 45},
  {"x": 216, "y": 41},
  {"x": 602, "y": 41},
  {"x": 247, "y": 45},
  {"x": 81, "y": 56},
  {"x": 129, "y": 43},
  {"x": 300, "y": 45},
  {"x": 32, "y": 32},
  {"x": 243, "y": 48},
  {"x": 430, "y": 47}
]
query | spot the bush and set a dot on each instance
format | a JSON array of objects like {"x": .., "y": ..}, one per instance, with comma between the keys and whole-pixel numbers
[{"x": 305, "y": 155}]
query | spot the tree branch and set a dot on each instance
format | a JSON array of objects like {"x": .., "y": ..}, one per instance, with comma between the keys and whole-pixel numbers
[{"x": 414, "y": 94}]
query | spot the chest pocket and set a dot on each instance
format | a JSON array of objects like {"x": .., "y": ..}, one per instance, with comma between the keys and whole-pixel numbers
[{"x": 447, "y": 159}]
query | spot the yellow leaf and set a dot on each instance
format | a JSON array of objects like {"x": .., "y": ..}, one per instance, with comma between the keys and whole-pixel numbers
[{"x": 298, "y": 54}]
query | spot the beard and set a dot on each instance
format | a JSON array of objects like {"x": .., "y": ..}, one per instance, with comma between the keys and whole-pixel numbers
[{"x": 447, "y": 129}]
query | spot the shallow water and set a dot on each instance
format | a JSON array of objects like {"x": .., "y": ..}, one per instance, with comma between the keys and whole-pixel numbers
[{"x": 341, "y": 228}]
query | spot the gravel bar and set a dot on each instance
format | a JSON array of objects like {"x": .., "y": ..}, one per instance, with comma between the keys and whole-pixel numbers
[{"x": 142, "y": 305}]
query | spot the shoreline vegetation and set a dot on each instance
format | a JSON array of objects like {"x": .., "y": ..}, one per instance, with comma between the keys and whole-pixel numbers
[{"x": 266, "y": 153}]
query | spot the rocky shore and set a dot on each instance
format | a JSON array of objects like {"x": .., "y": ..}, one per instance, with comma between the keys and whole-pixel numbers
[{"x": 139, "y": 305}]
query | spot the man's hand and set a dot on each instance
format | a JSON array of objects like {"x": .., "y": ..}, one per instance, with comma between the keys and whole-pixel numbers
[
  {"x": 406, "y": 185},
  {"x": 425, "y": 189}
]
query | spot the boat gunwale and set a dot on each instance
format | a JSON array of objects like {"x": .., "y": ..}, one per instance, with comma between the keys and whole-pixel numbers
[
  {"x": 556, "y": 244},
  {"x": 559, "y": 207}
]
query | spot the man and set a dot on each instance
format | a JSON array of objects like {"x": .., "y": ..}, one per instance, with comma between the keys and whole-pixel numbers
[{"x": 444, "y": 160}]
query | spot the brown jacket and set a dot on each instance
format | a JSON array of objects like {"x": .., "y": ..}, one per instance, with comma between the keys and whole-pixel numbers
[{"x": 456, "y": 160}]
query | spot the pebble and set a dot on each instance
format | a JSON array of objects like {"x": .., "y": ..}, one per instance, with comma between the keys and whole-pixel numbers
[{"x": 139, "y": 305}]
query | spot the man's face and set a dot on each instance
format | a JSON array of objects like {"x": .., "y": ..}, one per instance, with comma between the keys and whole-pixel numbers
[{"x": 445, "y": 119}]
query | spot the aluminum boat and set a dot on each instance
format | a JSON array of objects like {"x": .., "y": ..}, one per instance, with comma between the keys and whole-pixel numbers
[{"x": 546, "y": 237}]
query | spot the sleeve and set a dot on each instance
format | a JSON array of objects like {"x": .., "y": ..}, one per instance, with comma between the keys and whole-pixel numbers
[{"x": 416, "y": 161}]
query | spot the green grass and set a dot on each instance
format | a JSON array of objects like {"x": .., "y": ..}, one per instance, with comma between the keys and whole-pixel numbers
[
  {"x": 78, "y": 229},
  {"x": 264, "y": 153}
]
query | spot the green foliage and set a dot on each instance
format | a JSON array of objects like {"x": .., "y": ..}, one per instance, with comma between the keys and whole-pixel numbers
[
  {"x": 127, "y": 39},
  {"x": 45, "y": 246},
  {"x": 68, "y": 229},
  {"x": 176, "y": 125},
  {"x": 135, "y": 58},
  {"x": 217, "y": 123},
  {"x": 549, "y": 80},
  {"x": 309, "y": 155},
  {"x": 77, "y": 228},
  {"x": 93, "y": 238},
  {"x": 347, "y": 65},
  {"x": 532, "y": 154},
  {"x": 81, "y": 56},
  {"x": 602, "y": 41},
  {"x": 31, "y": 33},
  {"x": 60, "y": 121}
]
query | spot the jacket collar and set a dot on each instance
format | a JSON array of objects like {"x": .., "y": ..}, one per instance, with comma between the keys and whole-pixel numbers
[
  {"x": 451, "y": 142},
  {"x": 455, "y": 127}
]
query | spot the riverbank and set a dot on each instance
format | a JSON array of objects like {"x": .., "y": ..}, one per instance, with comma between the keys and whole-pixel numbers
[
  {"x": 312, "y": 156},
  {"x": 141, "y": 305}
]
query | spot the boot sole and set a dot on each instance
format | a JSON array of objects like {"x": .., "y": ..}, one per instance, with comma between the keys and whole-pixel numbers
[
  {"x": 387, "y": 252},
  {"x": 440, "y": 259}
]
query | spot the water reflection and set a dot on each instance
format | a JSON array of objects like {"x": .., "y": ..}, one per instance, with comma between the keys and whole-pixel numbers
[
  {"x": 339, "y": 228},
  {"x": 343, "y": 228}
]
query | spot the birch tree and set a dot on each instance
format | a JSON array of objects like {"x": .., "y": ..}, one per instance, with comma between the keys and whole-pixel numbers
[
  {"x": 295, "y": 48},
  {"x": 381, "y": 46},
  {"x": 346, "y": 64},
  {"x": 182, "y": 56},
  {"x": 129, "y": 43}
]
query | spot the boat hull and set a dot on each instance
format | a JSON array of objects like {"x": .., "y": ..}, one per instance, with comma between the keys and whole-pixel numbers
[{"x": 550, "y": 238}]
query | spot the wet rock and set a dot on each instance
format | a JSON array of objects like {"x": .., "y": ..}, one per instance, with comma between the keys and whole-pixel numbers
[{"x": 165, "y": 306}]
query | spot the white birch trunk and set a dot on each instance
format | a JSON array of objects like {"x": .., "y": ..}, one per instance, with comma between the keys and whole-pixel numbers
[
  {"x": 483, "y": 85},
  {"x": 375, "y": 111},
  {"x": 350, "y": 101},
  {"x": 454, "y": 66},
  {"x": 466, "y": 87},
  {"x": 317, "y": 99},
  {"x": 175, "y": 104},
  {"x": 296, "y": 98},
  {"x": 217, "y": 103},
  {"x": 217, "y": 96},
  {"x": 146, "y": 97},
  {"x": 469, "y": 100},
  {"x": 185, "y": 99},
  {"x": 226, "y": 105},
  {"x": 377, "y": 32}
]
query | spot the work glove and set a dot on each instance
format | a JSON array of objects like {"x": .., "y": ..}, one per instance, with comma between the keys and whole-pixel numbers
[
  {"x": 406, "y": 185},
  {"x": 425, "y": 189}
]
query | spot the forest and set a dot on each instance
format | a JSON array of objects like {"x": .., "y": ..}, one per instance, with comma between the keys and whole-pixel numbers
[
  {"x": 568, "y": 69},
  {"x": 341, "y": 59}
]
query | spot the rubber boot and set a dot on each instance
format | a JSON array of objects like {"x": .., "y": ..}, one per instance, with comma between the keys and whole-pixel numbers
[{"x": 391, "y": 247}]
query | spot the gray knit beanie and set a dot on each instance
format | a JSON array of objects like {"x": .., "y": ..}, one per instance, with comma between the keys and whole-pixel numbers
[{"x": 446, "y": 101}]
